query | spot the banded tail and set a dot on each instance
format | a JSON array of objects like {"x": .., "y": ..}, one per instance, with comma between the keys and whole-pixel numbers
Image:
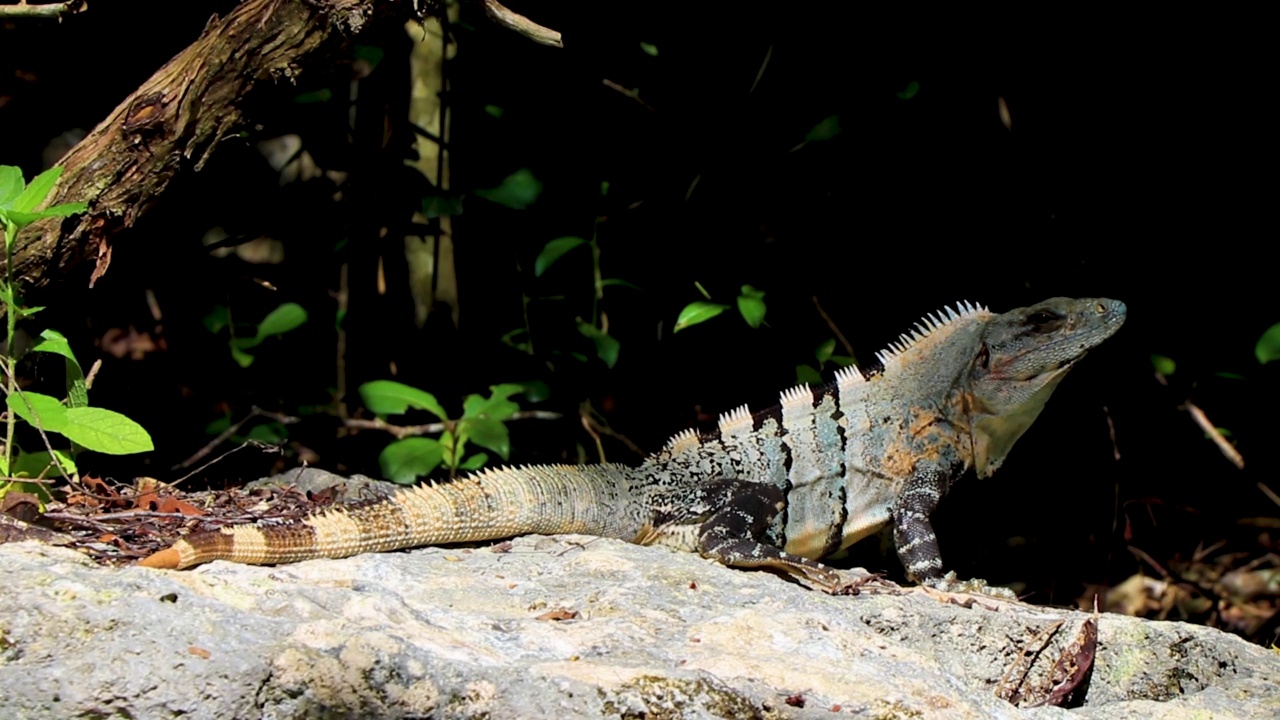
[{"x": 490, "y": 505}]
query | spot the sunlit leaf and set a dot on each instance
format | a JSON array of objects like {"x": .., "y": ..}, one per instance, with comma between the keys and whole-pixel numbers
[
  {"x": 40, "y": 410},
  {"x": 493, "y": 110},
  {"x": 697, "y": 312},
  {"x": 909, "y": 91},
  {"x": 10, "y": 184},
  {"x": 474, "y": 462},
  {"x": 552, "y": 251},
  {"x": 489, "y": 434},
  {"x": 404, "y": 461},
  {"x": 649, "y": 49},
  {"x": 105, "y": 431},
  {"x": 33, "y": 464},
  {"x": 36, "y": 191},
  {"x": 388, "y": 397}
]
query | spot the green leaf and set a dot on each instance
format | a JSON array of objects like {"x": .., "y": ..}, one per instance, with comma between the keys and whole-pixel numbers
[
  {"x": 697, "y": 312},
  {"x": 217, "y": 319},
  {"x": 36, "y": 191},
  {"x": 843, "y": 360},
  {"x": 552, "y": 251},
  {"x": 1229, "y": 375},
  {"x": 270, "y": 433},
  {"x": 10, "y": 184},
  {"x": 52, "y": 341},
  {"x": 487, "y": 433},
  {"x": 242, "y": 358},
  {"x": 313, "y": 96},
  {"x": 496, "y": 406},
  {"x": 493, "y": 110},
  {"x": 751, "y": 306},
  {"x": 649, "y": 49},
  {"x": 825, "y": 350},
  {"x": 106, "y": 431},
  {"x": 288, "y": 316},
  {"x": 1163, "y": 365},
  {"x": 1268, "y": 347},
  {"x": 607, "y": 347},
  {"x": 403, "y": 461},
  {"x": 388, "y": 397},
  {"x": 475, "y": 462},
  {"x": 435, "y": 206},
  {"x": 32, "y": 464},
  {"x": 535, "y": 391},
  {"x": 517, "y": 191},
  {"x": 610, "y": 282},
  {"x": 825, "y": 130},
  {"x": 63, "y": 210},
  {"x": 371, "y": 54},
  {"x": 807, "y": 374},
  {"x": 40, "y": 410},
  {"x": 910, "y": 91}
]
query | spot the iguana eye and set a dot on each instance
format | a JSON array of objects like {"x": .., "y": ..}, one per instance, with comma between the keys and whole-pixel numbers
[{"x": 1042, "y": 318}]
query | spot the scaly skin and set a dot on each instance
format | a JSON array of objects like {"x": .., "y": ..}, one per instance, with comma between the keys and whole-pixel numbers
[{"x": 778, "y": 489}]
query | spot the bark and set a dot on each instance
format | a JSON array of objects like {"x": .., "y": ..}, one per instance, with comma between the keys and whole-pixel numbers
[{"x": 174, "y": 121}]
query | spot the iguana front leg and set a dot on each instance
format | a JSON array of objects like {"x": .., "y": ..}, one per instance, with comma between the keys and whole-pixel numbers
[
  {"x": 732, "y": 534},
  {"x": 913, "y": 534},
  {"x": 916, "y": 542}
]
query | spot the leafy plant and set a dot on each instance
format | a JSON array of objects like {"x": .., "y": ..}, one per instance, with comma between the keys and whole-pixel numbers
[
  {"x": 597, "y": 328},
  {"x": 86, "y": 427},
  {"x": 824, "y": 353},
  {"x": 750, "y": 306},
  {"x": 286, "y": 317},
  {"x": 482, "y": 423}
]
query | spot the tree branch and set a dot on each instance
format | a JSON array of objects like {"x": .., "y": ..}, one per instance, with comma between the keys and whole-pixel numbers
[
  {"x": 50, "y": 10},
  {"x": 175, "y": 120}
]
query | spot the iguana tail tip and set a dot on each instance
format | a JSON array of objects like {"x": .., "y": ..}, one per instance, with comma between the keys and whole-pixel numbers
[{"x": 164, "y": 560}]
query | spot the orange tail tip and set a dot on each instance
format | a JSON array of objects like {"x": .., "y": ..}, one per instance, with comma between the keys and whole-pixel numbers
[{"x": 163, "y": 560}]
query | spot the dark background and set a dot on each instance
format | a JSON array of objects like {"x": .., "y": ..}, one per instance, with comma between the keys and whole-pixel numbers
[{"x": 1139, "y": 166}]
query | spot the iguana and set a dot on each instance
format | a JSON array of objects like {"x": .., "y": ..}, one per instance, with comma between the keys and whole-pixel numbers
[{"x": 777, "y": 489}]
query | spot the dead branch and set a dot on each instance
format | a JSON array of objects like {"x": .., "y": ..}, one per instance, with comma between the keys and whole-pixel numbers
[
  {"x": 175, "y": 120},
  {"x": 46, "y": 10}
]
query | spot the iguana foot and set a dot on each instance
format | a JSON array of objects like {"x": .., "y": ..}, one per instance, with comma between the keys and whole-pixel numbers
[{"x": 965, "y": 592}]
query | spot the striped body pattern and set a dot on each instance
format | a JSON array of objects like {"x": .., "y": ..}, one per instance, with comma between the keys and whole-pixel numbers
[{"x": 779, "y": 489}]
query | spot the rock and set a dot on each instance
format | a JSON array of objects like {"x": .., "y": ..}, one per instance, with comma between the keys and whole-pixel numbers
[{"x": 565, "y": 627}]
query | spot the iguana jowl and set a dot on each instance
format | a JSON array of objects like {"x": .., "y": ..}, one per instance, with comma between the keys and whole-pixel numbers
[{"x": 778, "y": 489}]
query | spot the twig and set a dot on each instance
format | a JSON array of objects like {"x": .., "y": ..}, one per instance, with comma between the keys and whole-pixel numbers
[
  {"x": 1269, "y": 493},
  {"x": 633, "y": 94},
  {"x": 122, "y": 515},
  {"x": 50, "y": 10},
  {"x": 222, "y": 437},
  {"x": 1214, "y": 434},
  {"x": 521, "y": 24},
  {"x": 831, "y": 324},
  {"x": 403, "y": 431}
]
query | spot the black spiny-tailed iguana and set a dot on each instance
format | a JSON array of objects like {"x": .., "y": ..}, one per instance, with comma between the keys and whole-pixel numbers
[{"x": 777, "y": 489}]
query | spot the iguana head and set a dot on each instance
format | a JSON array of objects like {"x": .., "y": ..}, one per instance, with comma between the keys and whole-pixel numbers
[{"x": 1022, "y": 357}]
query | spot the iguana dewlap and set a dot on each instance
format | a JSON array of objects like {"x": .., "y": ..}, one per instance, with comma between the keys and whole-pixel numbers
[{"x": 778, "y": 489}]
